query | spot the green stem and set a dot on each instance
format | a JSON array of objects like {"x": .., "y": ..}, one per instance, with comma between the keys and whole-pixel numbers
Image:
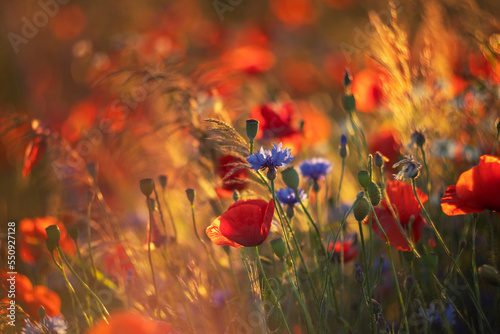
[
  {"x": 170, "y": 215},
  {"x": 474, "y": 266},
  {"x": 427, "y": 174},
  {"x": 312, "y": 222},
  {"x": 448, "y": 253},
  {"x": 150, "y": 258},
  {"x": 368, "y": 286},
  {"x": 98, "y": 300},
  {"x": 159, "y": 209},
  {"x": 87, "y": 297},
  {"x": 268, "y": 286},
  {"x": 94, "y": 270}
]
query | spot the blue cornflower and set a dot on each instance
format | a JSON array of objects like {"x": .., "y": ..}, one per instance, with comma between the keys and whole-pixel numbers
[
  {"x": 287, "y": 196},
  {"x": 315, "y": 168},
  {"x": 277, "y": 157},
  {"x": 434, "y": 315},
  {"x": 54, "y": 325}
]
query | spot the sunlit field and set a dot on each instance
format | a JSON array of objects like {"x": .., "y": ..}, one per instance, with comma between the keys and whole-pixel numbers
[{"x": 230, "y": 166}]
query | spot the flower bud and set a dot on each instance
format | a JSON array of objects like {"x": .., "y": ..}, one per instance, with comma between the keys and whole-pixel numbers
[
  {"x": 489, "y": 274},
  {"x": 364, "y": 178},
  {"x": 343, "y": 149},
  {"x": 347, "y": 77},
  {"x": 271, "y": 174},
  {"x": 252, "y": 129},
  {"x": 381, "y": 324},
  {"x": 290, "y": 211},
  {"x": 379, "y": 159},
  {"x": 291, "y": 178},
  {"x": 360, "y": 195},
  {"x": 53, "y": 234},
  {"x": 190, "y": 195},
  {"x": 236, "y": 195},
  {"x": 93, "y": 170},
  {"x": 147, "y": 186},
  {"x": 361, "y": 209},
  {"x": 418, "y": 138},
  {"x": 359, "y": 275},
  {"x": 377, "y": 308},
  {"x": 41, "y": 312},
  {"x": 73, "y": 233},
  {"x": 349, "y": 103},
  {"x": 374, "y": 193},
  {"x": 278, "y": 247},
  {"x": 163, "y": 181},
  {"x": 51, "y": 245}
]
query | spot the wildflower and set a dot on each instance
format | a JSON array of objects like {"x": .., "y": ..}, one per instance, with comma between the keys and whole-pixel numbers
[
  {"x": 349, "y": 246},
  {"x": 51, "y": 325},
  {"x": 315, "y": 168},
  {"x": 406, "y": 208},
  {"x": 367, "y": 89},
  {"x": 410, "y": 168},
  {"x": 234, "y": 176},
  {"x": 249, "y": 59},
  {"x": 33, "y": 235},
  {"x": 387, "y": 142},
  {"x": 418, "y": 138},
  {"x": 287, "y": 196},
  {"x": 127, "y": 322},
  {"x": 276, "y": 124},
  {"x": 343, "y": 148},
  {"x": 435, "y": 317},
  {"x": 359, "y": 275},
  {"x": 245, "y": 223},
  {"x": 277, "y": 157},
  {"x": 117, "y": 263},
  {"x": 476, "y": 190}
]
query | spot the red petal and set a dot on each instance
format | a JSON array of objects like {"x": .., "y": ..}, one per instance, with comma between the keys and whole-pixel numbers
[
  {"x": 33, "y": 155},
  {"x": 452, "y": 205},
  {"x": 389, "y": 224},
  {"x": 213, "y": 232},
  {"x": 403, "y": 200}
]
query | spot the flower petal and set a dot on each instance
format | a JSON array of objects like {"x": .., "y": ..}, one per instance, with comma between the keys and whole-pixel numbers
[{"x": 213, "y": 232}]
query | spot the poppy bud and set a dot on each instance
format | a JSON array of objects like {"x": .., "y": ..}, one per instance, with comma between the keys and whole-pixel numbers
[
  {"x": 163, "y": 181},
  {"x": 73, "y": 233},
  {"x": 147, "y": 186},
  {"x": 364, "y": 178},
  {"x": 379, "y": 159},
  {"x": 278, "y": 247},
  {"x": 236, "y": 195},
  {"x": 93, "y": 170},
  {"x": 381, "y": 324},
  {"x": 374, "y": 193},
  {"x": 53, "y": 234},
  {"x": 41, "y": 312},
  {"x": 51, "y": 246},
  {"x": 360, "y": 195},
  {"x": 361, "y": 209},
  {"x": 291, "y": 178},
  {"x": 347, "y": 77},
  {"x": 359, "y": 275},
  {"x": 349, "y": 103},
  {"x": 489, "y": 274},
  {"x": 190, "y": 195},
  {"x": 377, "y": 308},
  {"x": 290, "y": 212},
  {"x": 252, "y": 129},
  {"x": 343, "y": 149}
]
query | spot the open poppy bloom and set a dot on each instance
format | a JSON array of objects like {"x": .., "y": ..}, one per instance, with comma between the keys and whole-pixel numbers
[
  {"x": 32, "y": 244},
  {"x": 406, "y": 207},
  {"x": 348, "y": 246},
  {"x": 245, "y": 223},
  {"x": 276, "y": 123},
  {"x": 127, "y": 322},
  {"x": 477, "y": 189},
  {"x": 233, "y": 178}
]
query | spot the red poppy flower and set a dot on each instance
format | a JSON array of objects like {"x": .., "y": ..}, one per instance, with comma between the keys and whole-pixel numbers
[
  {"x": 117, "y": 262},
  {"x": 367, "y": 89},
  {"x": 477, "y": 189},
  {"x": 249, "y": 59},
  {"x": 32, "y": 238},
  {"x": 294, "y": 12},
  {"x": 232, "y": 179},
  {"x": 246, "y": 223},
  {"x": 348, "y": 246},
  {"x": 127, "y": 322},
  {"x": 276, "y": 125},
  {"x": 386, "y": 141},
  {"x": 34, "y": 154},
  {"x": 406, "y": 207}
]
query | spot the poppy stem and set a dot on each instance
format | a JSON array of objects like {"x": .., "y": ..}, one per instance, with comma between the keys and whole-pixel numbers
[
  {"x": 448, "y": 253},
  {"x": 150, "y": 210},
  {"x": 169, "y": 211},
  {"x": 389, "y": 251},
  {"x": 87, "y": 297},
  {"x": 427, "y": 173},
  {"x": 159, "y": 209},
  {"x": 474, "y": 266},
  {"x": 368, "y": 300},
  {"x": 73, "y": 295},
  {"x": 268, "y": 286},
  {"x": 98, "y": 300},
  {"x": 89, "y": 239},
  {"x": 312, "y": 223}
]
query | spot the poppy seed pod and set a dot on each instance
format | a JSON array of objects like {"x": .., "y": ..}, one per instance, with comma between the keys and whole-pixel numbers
[
  {"x": 147, "y": 186},
  {"x": 278, "y": 247},
  {"x": 374, "y": 193},
  {"x": 364, "y": 178},
  {"x": 361, "y": 209},
  {"x": 291, "y": 178},
  {"x": 190, "y": 195},
  {"x": 163, "y": 181},
  {"x": 379, "y": 159},
  {"x": 252, "y": 127}
]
